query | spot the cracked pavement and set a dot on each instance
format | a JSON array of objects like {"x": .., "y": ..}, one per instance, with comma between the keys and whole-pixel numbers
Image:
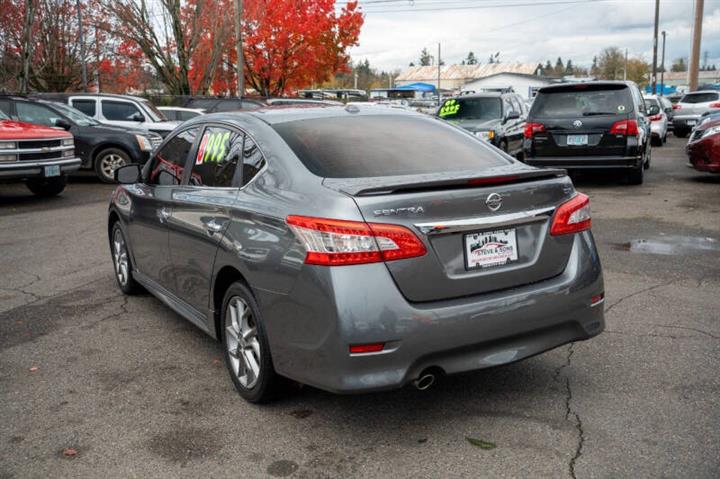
[{"x": 139, "y": 392}]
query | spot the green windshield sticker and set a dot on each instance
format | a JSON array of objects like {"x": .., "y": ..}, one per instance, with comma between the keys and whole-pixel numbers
[{"x": 451, "y": 107}]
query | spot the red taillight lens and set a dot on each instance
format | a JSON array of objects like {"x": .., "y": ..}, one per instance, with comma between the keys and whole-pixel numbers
[
  {"x": 657, "y": 117},
  {"x": 715, "y": 105},
  {"x": 533, "y": 128},
  {"x": 573, "y": 216},
  {"x": 624, "y": 127},
  {"x": 366, "y": 348},
  {"x": 677, "y": 107},
  {"x": 331, "y": 242}
]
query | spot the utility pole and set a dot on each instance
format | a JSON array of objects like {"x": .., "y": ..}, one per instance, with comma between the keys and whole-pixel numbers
[
  {"x": 27, "y": 47},
  {"x": 438, "y": 68},
  {"x": 625, "y": 68},
  {"x": 355, "y": 78},
  {"x": 662, "y": 67},
  {"x": 81, "y": 39},
  {"x": 655, "y": 45},
  {"x": 238, "y": 48},
  {"x": 695, "y": 51}
]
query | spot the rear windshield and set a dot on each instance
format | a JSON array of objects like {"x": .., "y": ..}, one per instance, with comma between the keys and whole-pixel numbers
[
  {"x": 699, "y": 97},
  {"x": 583, "y": 101},
  {"x": 384, "y": 145},
  {"x": 471, "y": 109}
]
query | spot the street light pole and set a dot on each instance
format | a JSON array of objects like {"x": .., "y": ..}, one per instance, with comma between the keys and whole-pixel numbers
[
  {"x": 81, "y": 39},
  {"x": 695, "y": 52},
  {"x": 662, "y": 66},
  {"x": 438, "y": 72},
  {"x": 655, "y": 45},
  {"x": 239, "y": 49}
]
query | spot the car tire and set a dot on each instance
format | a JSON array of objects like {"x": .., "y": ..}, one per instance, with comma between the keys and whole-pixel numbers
[
  {"x": 245, "y": 346},
  {"x": 122, "y": 264},
  {"x": 47, "y": 187},
  {"x": 636, "y": 175},
  {"x": 680, "y": 132},
  {"x": 109, "y": 160}
]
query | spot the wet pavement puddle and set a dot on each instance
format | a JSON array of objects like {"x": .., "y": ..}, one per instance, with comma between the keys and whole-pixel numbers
[{"x": 670, "y": 245}]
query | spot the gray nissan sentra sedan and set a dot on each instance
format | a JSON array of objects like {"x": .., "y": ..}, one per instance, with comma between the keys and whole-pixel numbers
[{"x": 356, "y": 249}]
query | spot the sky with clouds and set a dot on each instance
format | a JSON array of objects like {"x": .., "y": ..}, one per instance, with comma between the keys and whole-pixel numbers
[{"x": 528, "y": 30}]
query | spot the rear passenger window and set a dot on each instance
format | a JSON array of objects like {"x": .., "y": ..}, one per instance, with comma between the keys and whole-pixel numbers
[
  {"x": 85, "y": 106},
  {"x": 120, "y": 111},
  {"x": 217, "y": 158},
  {"x": 699, "y": 97},
  {"x": 253, "y": 161},
  {"x": 171, "y": 158}
]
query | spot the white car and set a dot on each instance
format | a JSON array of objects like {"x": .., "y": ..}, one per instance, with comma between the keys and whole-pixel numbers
[
  {"x": 691, "y": 107},
  {"x": 177, "y": 113},
  {"x": 657, "y": 107}
]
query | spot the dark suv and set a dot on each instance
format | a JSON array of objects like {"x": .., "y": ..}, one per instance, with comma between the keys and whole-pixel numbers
[
  {"x": 593, "y": 125},
  {"x": 498, "y": 118}
]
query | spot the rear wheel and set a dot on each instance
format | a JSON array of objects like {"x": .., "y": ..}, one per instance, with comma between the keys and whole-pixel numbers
[
  {"x": 636, "y": 175},
  {"x": 245, "y": 346},
  {"x": 109, "y": 160},
  {"x": 47, "y": 186}
]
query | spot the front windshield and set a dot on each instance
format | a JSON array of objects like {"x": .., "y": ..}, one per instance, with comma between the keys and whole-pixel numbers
[
  {"x": 488, "y": 108},
  {"x": 152, "y": 110},
  {"x": 76, "y": 116},
  {"x": 3, "y": 116}
]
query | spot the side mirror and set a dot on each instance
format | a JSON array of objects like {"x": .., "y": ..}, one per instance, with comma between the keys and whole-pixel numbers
[
  {"x": 128, "y": 174},
  {"x": 513, "y": 115},
  {"x": 137, "y": 117},
  {"x": 63, "y": 123}
]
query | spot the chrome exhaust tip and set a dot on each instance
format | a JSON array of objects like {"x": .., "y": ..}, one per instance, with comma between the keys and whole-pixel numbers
[{"x": 424, "y": 382}]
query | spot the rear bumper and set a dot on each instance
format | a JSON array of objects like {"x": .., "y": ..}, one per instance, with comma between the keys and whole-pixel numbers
[
  {"x": 585, "y": 162},
  {"x": 311, "y": 328},
  {"x": 686, "y": 122},
  {"x": 33, "y": 169}
]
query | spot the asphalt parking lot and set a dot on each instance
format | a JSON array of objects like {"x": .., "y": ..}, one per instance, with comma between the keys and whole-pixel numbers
[{"x": 135, "y": 391}]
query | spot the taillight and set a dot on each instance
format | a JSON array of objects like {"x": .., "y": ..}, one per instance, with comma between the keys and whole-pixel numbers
[
  {"x": 573, "y": 216},
  {"x": 532, "y": 128},
  {"x": 625, "y": 128},
  {"x": 657, "y": 117},
  {"x": 331, "y": 242},
  {"x": 677, "y": 107},
  {"x": 715, "y": 105}
]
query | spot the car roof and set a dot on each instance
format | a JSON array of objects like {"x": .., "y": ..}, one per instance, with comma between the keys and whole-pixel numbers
[
  {"x": 701, "y": 91},
  {"x": 281, "y": 114},
  {"x": 97, "y": 95},
  {"x": 579, "y": 85},
  {"x": 482, "y": 94}
]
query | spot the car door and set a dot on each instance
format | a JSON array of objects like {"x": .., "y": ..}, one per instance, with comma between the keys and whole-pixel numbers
[
  {"x": 152, "y": 207},
  {"x": 121, "y": 112},
  {"x": 201, "y": 212}
]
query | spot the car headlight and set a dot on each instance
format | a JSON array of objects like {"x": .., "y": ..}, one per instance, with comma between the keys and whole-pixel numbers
[
  {"x": 7, "y": 145},
  {"x": 485, "y": 135},
  {"x": 144, "y": 143},
  {"x": 5, "y": 158},
  {"x": 68, "y": 142},
  {"x": 711, "y": 131}
]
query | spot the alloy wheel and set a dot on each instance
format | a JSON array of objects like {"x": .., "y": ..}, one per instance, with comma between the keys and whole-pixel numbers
[
  {"x": 120, "y": 258},
  {"x": 110, "y": 163},
  {"x": 242, "y": 342}
]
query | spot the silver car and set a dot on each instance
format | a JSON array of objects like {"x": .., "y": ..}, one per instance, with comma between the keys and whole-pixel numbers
[
  {"x": 691, "y": 107},
  {"x": 356, "y": 249}
]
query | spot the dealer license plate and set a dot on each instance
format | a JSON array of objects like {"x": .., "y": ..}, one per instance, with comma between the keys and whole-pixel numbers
[
  {"x": 577, "y": 140},
  {"x": 52, "y": 170},
  {"x": 490, "y": 248}
]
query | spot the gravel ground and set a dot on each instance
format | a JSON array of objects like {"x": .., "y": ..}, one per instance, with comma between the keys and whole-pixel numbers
[{"x": 133, "y": 390}]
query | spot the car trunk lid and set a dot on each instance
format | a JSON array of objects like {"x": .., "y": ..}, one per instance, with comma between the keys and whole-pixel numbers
[{"x": 454, "y": 218}]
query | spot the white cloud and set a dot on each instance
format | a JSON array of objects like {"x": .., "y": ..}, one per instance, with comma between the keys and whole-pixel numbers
[{"x": 533, "y": 33}]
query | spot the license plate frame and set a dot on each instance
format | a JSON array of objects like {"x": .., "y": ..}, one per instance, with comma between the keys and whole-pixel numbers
[
  {"x": 489, "y": 249},
  {"x": 51, "y": 171},
  {"x": 577, "y": 140}
]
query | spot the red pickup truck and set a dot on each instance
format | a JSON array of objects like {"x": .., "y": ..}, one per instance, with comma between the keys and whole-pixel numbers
[{"x": 39, "y": 155}]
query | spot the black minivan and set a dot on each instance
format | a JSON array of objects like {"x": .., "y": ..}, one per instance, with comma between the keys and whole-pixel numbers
[{"x": 591, "y": 125}]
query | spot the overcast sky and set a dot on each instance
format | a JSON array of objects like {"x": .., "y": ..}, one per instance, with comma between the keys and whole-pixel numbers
[{"x": 528, "y": 31}]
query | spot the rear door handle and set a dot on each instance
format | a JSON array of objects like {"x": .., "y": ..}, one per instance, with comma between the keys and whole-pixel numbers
[{"x": 213, "y": 226}]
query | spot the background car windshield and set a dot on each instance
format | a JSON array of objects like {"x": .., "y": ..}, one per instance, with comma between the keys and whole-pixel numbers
[
  {"x": 3, "y": 116},
  {"x": 699, "y": 97},
  {"x": 152, "y": 110},
  {"x": 471, "y": 109},
  {"x": 652, "y": 105},
  {"x": 76, "y": 116},
  {"x": 589, "y": 102},
  {"x": 384, "y": 145}
]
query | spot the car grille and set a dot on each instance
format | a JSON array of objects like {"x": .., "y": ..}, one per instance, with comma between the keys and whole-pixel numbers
[
  {"x": 155, "y": 141},
  {"x": 38, "y": 150},
  {"x": 49, "y": 155}
]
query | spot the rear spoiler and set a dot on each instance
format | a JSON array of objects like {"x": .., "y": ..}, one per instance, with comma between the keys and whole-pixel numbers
[{"x": 383, "y": 185}]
